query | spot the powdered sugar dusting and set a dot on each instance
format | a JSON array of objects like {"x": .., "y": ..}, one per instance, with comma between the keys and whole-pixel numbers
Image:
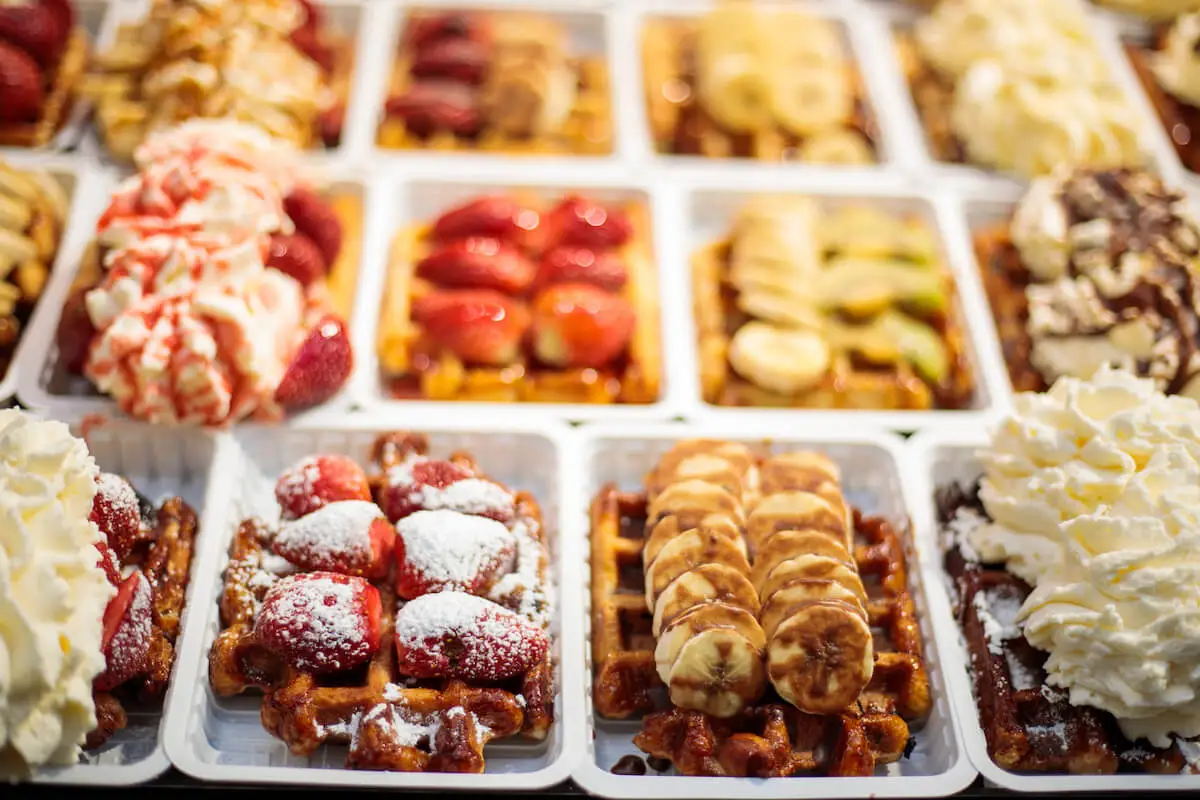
[
  {"x": 335, "y": 535},
  {"x": 297, "y": 485},
  {"x": 998, "y": 615},
  {"x": 450, "y": 550},
  {"x": 315, "y": 621},
  {"x": 131, "y": 642},
  {"x": 470, "y": 496},
  {"x": 957, "y": 532},
  {"x": 117, "y": 491},
  {"x": 523, "y": 589}
]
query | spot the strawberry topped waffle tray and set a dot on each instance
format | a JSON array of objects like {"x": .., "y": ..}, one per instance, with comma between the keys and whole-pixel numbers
[{"x": 42, "y": 57}]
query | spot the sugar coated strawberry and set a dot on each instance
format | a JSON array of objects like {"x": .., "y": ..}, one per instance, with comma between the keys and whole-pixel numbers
[
  {"x": 430, "y": 484},
  {"x": 457, "y": 635},
  {"x": 321, "y": 621},
  {"x": 315, "y": 481},
  {"x": 108, "y": 562},
  {"x": 117, "y": 514},
  {"x": 21, "y": 93},
  {"x": 477, "y": 325},
  {"x": 447, "y": 551},
  {"x": 350, "y": 537},
  {"x": 298, "y": 256},
  {"x": 316, "y": 219},
  {"x": 128, "y": 628},
  {"x": 579, "y": 325},
  {"x": 320, "y": 366}
]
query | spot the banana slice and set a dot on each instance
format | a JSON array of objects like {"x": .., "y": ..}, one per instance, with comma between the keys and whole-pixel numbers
[
  {"x": 794, "y": 596},
  {"x": 15, "y": 212},
  {"x": 775, "y": 233},
  {"x": 729, "y": 74},
  {"x": 807, "y": 102},
  {"x": 779, "y": 305},
  {"x": 688, "y": 550},
  {"x": 692, "y": 500},
  {"x": 843, "y": 147},
  {"x": 795, "y": 511},
  {"x": 729, "y": 464},
  {"x": 669, "y": 528},
  {"x": 707, "y": 583},
  {"x": 802, "y": 471},
  {"x": 811, "y": 567},
  {"x": 783, "y": 545},
  {"x": 700, "y": 618},
  {"x": 798, "y": 41},
  {"x": 718, "y": 672},
  {"x": 821, "y": 657},
  {"x": 783, "y": 360}
]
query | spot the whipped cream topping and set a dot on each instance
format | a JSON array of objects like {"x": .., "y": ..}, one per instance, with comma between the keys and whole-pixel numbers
[
  {"x": 1177, "y": 67},
  {"x": 1093, "y": 490},
  {"x": 52, "y": 594}
]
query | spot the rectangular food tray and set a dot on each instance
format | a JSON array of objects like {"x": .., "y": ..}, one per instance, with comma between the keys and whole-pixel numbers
[
  {"x": 222, "y": 739},
  {"x": 871, "y": 467}
]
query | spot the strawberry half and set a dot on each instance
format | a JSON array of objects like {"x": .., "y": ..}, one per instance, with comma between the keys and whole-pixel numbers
[
  {"x": 456, "y": 635},
  {"x": 583, "y": 223},
  {"x": 448, "y": 551},
  {"x": 478, "y": 262},
  {"x": 21, "y": 93},
  {"x": 320, "y": 621},
  {"x": 297, "y": 255},
  {"x": 316, "y": 219},
  {"x": 108, "y": 563},
  {"x": 316, "y": 481},
  {"x": 498, "y": 216},
  {"x": 578, "y": 325},
  {"x": 75, "y": 332},
  {"x": 117, "y": 513},
  {"x": 319, "y": 368},
  {"x": 37, "y": 28},
  {"x": 569, "y": 264},
  {"x": 477, "y": 325},
  {"x": 350, "y": 537},
  {"x": 431, "y": 485},
  {"x": 127, "y": 633}
]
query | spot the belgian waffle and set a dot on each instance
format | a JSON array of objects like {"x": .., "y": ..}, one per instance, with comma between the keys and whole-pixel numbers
[
  {"x": 933, "y": 95},
  {"x": 1005, "y": 280},
  {"x": 1029, "y": 725},
  {"x": 389, "y": 722},
  {"x": 62, "y": 81},
  {"x": 847, "y": 379}
]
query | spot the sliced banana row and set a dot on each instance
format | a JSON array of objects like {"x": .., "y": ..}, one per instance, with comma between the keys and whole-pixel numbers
[{"x": 32, "y": 208}]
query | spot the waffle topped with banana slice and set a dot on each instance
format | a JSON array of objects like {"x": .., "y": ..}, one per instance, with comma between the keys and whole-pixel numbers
[
  {"x": 33, "y": 209},
  {"x": 744, "y": 80},
  {"x": 847, "y": 307},
  {"x": 777, "y": 619}
]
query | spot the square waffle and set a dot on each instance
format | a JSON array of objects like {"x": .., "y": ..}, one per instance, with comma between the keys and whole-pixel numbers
[
  {"x": 61, "y": 82},
  {"x": 681, "y": 125},
  {"x": 390, "y": 721},
  {"x": 1029, "y": 725},
  {"x": 478, "y": 81},
  {"x": 769, "y": 737},
  {"x": 415, "y": 366},
  {"x": 862, "y": 376}
]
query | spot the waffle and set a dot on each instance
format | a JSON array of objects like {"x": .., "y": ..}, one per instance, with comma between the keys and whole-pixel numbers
[
  {"x": 933, "y": 95},
  {"x": 680, "y": 124},
  {"x": 414, "y": 367},
  {"x": 848, "y": 380},
  {"x": 1005, "y": 280},
  {"x": 587, "y": 126},
  {"x": 1180, "y": 120},
  {"x": 1029, "y": 726},
  {"x": 165, "y": 558},
  {"x": 769, "y": 737},
  {"x": 61, "y": 84},
  {"x": 372, "y": 708}
]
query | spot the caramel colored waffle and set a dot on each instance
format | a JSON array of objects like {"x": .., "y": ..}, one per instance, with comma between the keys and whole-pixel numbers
[
  {"x": 679, "y": 124},
  {"x": 415, "y": 368},
  {"x": 361, "y": 707},
  {"x": 1180, "y": 120},
  {"x": 933, "y": 96},
  {"x": 1004, "y": 280},
  {"x": 60, "y": 97},
  {"x": 165, "y": 558}
]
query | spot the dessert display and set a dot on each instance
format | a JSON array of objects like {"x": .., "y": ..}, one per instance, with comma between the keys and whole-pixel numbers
[
  {"x": 276, "y": 64},
  {"x": 1018, "y": 86},
  {"x": 218, "y": 284},
  {"x": 403, "y": 613},
  {"x": 1169, "y": 70},
  {"x": 33, "y": 212},
  {"x": 777, "y": 618},
  {"x": 515, "y": 298},
  {"x": 497, "y": 81},
  {"x": 746, "y": 80},
  {"x": 1095, "y": 268},
  {"x": 43, "y": 54},
  {"x": 846, "y": 307},
  {"x": 1073, "y": 559}
]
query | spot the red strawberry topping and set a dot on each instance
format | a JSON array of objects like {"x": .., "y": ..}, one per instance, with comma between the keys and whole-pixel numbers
[
  {"x": 319, "y": 368},
  {"x": 603, "y": 268},
  {"x": 315, "y": 218},
  {"x": 316, "y": 481},
  {"x": 431, "y": 485},
  {"x": 115, "y": 512},
  {"x": 297, "y": 255},
  {"x": 478, "y": 262},
  {"x": 581, "y": 222},
  {"x": 447, "y": 551},
  {"x": 477, "y": 325},
  {"x": 127, "y": 633},
  {"x": 108, "y": 563},
  {"x": 498, "y": 216},
  {"x": 321, "y": 622},
  {"x": 456, "y": 635},
  {"x": 21, "y": 94},
  {"x": 349, "y": 537}
]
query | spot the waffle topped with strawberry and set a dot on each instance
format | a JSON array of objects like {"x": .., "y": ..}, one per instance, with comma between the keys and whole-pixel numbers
[
  {"x": 146, "y": 553},
  {"x": 404, "y": 614},
  {"x": 511, "y": 298},
  {"x": 42, "y": 57}
]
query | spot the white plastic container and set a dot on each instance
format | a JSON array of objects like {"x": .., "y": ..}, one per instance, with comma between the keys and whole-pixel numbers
[
  {"x": 222, "y": 739},
  {"x": 871, "y": 464},
  {"x": 431, "y": 189},
  {"x": 159, "y": 464},
  {"x": 934, "y": 459}
]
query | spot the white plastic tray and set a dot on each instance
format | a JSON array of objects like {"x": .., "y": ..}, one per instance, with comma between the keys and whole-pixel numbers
[
  {"x": 933, "y": 459},
  {"x": 710, "y": 208},
  {"x": 871, "y": 465},
  {"x": 159, "y": 464},
  {"x": 222, "y": 739},
  {"x": 427, "y": 191}
]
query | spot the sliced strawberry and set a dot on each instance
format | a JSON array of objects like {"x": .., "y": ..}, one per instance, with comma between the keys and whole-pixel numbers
[
  {"x": 319, "y": 368},
  {"x": 581, "y": 222},
  {"x": 569, "y": 264},
  {"x": 478, "y": 262},
  {"x": 297, "y": 255},
  {"x": 450, "y": 551},
  {"x": 316, "y": 481},
  {"x": 350, "y": 537},
  {"x": 128, "y": 630},
  {"x": 477, "y": 325},
  {"x": 316, "y": 219},
  {"x": 430, "y": 106},
  {"x": 456, "y": 635},
  {"x": 37, "y": 28},
  {"x": 321, "y": 622},
  {"x": 74, "y": 333},
  {"x": 577, "y": 325},
  {"x": 117, "y": 514},
  {"x": 21, "y": 94},
  {"x": 108, "y": 563},
  {"x": 498, "y": 216},
  {"x": 430, "y": 485}
]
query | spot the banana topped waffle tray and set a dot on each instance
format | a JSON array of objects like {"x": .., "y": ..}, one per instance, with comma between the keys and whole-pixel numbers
[
  {"x": 743, "y": 80},
  {"x": 404, "y": 613},
  {"x": 497, "y": 81},
  {"x": 519, "y": 298},
  {"x": 847, "y": 307},
  {"x": 759, "y": 625},
  {"x": 43, "y": 54}
]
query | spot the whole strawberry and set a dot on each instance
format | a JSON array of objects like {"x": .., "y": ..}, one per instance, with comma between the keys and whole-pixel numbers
[
  {"x": 21, "y": 94},
  {"x": 320, "y": 621},
  {"x": 320, "y": 367},
  {"x": 298, "y": 256},
  {"x": 313, "y": 217},
  {"x": 39, "y": 28},
  {"x": 117, "y": 514},
  {"x": 316, "y": 481},
  {"x": 349, "y": 537},
  {"x": 580, "y": 325},
  {"x": 479, "y": 326}
]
